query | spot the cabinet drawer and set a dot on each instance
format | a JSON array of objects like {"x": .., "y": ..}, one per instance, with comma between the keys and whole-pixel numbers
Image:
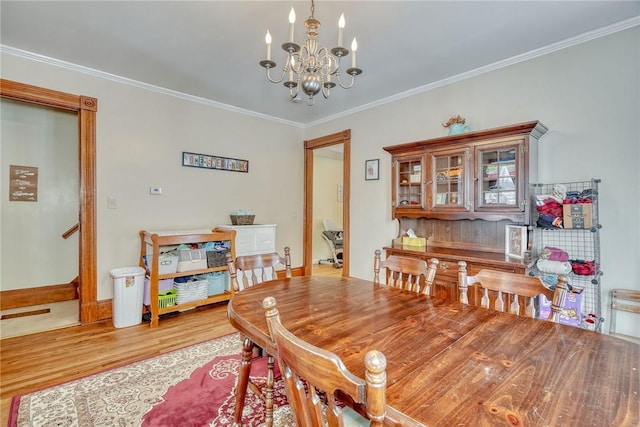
[
  {"x": 254, "y": 239},
  {"x": 245, "y": 242},
  {"x": 265, "y": 241}
]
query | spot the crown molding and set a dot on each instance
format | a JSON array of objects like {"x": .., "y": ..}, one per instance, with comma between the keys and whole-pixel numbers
[{"x": 582, "y": 38}]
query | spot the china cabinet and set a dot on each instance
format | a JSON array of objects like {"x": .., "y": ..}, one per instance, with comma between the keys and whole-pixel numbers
[
  {"x": 476, "y": 175},
  {"x": 459, "y": 192}
]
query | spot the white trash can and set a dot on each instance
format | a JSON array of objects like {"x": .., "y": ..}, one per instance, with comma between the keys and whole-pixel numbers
[{"x": 128, "y": 287}]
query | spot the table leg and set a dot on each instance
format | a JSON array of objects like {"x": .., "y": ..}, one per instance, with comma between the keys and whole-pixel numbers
[{"x": 243, "y": 381}]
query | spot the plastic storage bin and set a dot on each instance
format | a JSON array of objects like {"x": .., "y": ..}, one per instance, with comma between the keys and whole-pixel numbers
[
  {"x": 163, "y": 285},
  {"x": 128, "y": 288}
]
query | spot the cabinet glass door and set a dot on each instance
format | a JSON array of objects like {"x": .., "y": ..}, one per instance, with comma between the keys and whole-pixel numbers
[
  {"x": 499, "y": 177},
  {"x": 449, "y": 177},
  {"x": 409, "y": 188}
]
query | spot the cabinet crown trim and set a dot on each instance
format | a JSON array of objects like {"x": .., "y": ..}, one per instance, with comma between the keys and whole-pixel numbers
[{"x": 534, "y": 128}]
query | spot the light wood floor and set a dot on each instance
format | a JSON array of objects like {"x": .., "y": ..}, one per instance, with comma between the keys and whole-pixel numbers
[
  {"x": 40, "y": 360},
  {"x": 32, "y": 362},
  {"x": 326, "y": 270}
]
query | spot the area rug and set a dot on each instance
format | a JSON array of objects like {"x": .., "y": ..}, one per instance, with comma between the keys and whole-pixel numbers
[{"x": 194, "y": 386}]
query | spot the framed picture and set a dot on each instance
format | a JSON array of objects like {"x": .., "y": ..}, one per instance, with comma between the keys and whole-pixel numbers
[
  {"x": 515, "y": 243},
  {"x": 206, "y": 161},
  {"x": 372, "y": 169}
]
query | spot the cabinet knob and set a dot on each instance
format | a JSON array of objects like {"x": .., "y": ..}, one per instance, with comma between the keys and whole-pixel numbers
[{"x": 444, "y": 266}]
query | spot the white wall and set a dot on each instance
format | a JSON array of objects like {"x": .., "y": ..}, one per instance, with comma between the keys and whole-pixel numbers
[
  {"x": 140, "y": 138},
  {"x": 589, "y": 97}
]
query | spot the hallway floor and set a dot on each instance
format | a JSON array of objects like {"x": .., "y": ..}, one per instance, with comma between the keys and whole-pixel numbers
[{"x": 28, "y": 320}]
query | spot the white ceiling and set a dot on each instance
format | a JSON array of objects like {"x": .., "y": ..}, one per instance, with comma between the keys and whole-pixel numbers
[{"x": 210, "y": 49}]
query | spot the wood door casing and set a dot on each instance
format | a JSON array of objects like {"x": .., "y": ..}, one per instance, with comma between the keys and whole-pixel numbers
[
  {"x": 344, "y": 138},
  {"x": 86, "y": 109}
]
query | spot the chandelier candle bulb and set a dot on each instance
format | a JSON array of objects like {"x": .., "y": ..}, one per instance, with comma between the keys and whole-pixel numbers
[
  {"x": 354, "y": 47},
  {"x": 268, "y": 40},
  {"x": 340, "y": 28},
  {"x": 292, "y": 20}
]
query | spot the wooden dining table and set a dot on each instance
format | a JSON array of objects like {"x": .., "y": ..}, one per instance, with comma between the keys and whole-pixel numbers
[{"x": 450, "y": 364}]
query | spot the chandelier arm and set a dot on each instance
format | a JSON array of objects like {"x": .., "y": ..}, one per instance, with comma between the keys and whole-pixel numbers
[
  {"x": 284, "y": 71},
  {"x": 293, "y": 91},
  {"x": 345, "y": 86},
  {"x": 326, "y": 91}
]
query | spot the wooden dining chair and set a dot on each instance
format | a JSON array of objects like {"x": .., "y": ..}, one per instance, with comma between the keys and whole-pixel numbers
[
  {"x": 623, "y": 300},
  {"x": 314, "y": 378},
  {"x": 511, "y": 292},
  {"x": 411, "y": 274},
  {"x": 246, "y": 271}
]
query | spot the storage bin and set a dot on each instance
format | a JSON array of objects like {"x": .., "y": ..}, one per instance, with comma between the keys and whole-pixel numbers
[
  {"x": 167, "y": 298},
  {"x": 163, "y": 285},
  {"x": 191, "y": 259},
  {"x": 217, "y": 258},
  {"x": 192, "y": 290},
  {"x": 218, "y": 282},
  {"x": 167, "y": 263}
]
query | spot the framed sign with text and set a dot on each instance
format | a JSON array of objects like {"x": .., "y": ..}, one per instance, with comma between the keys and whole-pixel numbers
[{"x": 206, "y": 161}]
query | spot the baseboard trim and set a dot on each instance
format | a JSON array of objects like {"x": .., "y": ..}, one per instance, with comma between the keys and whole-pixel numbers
[{"x": 18, "y": 298}]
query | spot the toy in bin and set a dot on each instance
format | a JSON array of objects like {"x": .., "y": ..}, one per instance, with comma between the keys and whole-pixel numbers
[{"x": 241, "y": 217}]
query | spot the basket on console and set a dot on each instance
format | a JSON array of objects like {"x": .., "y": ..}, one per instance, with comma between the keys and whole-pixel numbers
[
  {"x": 242, "y": 219},
  {"x": 217, "y": 258},
  {"x": 192, "y": 290}
]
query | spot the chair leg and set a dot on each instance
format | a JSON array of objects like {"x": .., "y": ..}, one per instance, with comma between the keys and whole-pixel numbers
[
  {"x": 269, "y": 392},
  {"x": 243, "y": 381}
]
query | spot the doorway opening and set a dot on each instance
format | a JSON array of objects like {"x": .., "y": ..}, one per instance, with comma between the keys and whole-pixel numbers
[
  {"x": 85, "y": 108},
  {"x": 339, "y": 188}
]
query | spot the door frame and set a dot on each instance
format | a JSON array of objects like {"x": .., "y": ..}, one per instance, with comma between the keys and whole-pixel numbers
[
  {"x": 344, "y": 138},
  {"x": 86, "y": 108}
]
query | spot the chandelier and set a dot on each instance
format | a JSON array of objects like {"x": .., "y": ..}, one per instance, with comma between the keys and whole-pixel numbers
[{"x": 311, "y": 68}]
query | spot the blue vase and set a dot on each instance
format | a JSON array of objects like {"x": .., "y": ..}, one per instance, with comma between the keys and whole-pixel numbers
[{"x": 458, "y": 128}]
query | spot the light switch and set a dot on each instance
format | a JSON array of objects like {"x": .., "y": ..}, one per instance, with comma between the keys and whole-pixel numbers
[
  {"x": 156, "y": 191},
  {"x": 111, "y": 203}
]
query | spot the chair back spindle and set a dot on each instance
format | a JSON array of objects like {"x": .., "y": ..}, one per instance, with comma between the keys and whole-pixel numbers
[
  {"x": 410, "y": 274},
  {"x": 511, "y": 292}
]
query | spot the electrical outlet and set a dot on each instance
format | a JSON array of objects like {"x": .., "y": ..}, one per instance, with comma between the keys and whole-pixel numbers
[
  {"x": 111, "y": 203},
  {"x": 156, "y": 191}
]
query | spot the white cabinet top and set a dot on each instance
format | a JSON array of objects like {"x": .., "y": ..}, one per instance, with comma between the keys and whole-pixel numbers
[{"x": 235, "y": 227}]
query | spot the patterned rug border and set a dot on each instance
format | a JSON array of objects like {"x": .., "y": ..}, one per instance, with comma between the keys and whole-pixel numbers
[{"x": 15, "y": 400}]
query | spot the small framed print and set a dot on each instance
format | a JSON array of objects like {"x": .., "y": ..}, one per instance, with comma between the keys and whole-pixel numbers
[
  {"x": 515, "y": 243},
  {"x": 372, "y": 169}
]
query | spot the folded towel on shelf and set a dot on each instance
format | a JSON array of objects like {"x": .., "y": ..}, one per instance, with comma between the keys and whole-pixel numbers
[{"x": 555, "y": 267}]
